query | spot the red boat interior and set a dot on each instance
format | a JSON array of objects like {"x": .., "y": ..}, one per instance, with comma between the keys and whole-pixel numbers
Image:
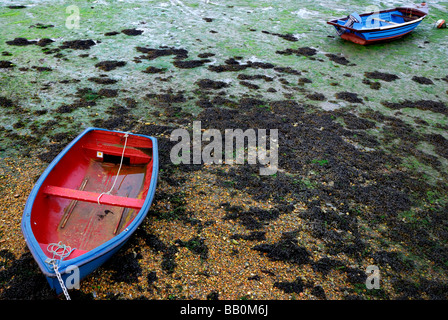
[{"x": 66, "y": 208}]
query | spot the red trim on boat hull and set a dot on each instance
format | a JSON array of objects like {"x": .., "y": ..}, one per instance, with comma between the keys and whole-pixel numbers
[{"x": 356, "y": 39}]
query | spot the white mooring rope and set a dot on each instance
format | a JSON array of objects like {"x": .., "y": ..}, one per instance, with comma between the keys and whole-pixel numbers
[{"x": 118, "y": 172}]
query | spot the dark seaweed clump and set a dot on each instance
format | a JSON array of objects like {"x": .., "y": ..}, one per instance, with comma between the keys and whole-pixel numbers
[
  {"x": 206, "y": 55},
  {"x": 288, "y": 36},
  {"x": 411, "y": 291},
  {"x": 110, "y": 65},
  {"x": 287, "y": 70},
  {"x": 20, "y": 42},
  {"x": 422, "y": 80},
  {"x": 111, "y": 33},
  {"x": 302, "y": 81},
  {"x": 81, "y": 103},
  {"x": 152, "y": 69},
  {"x": 295, "y": 286},
  {"x": 108, "y": 93},
  {"x": 434, "y": 106},
  {"x": 381, "y": 76},
  {"x": 78, "y": 44},
  {"x": 168, "y": 97},
  {"x": 304, "y": 51},
  {"x": 373, "y": 84},
  {"x": 5, "y": 102},
  {"x": 151, "y": 53},
  {"x": 25, "y": 42},
  {"x": 52, "y": 151},
  {"x": 6, "y": 64},
  {"x": 349, "y": 96},
  {"x": 169, "y": 259},
  {"x": 440, "y": 143},
  {"x": 249, "y": 85},
  {"x": 254, "y": 218},
  {"x": 338, "y": 59},
  {"x": 44, "y": 42},
  {"x": 23, "y": 279},
  {"x": 325, "y": 265},
  {"x": 228, "y": 67},
  {"x": 356, "y": 123},
  {"x": 260, "y": 65},
  {"x": 41, "y": 69},
  {"x": 298, "y": 285},
  {"x": 255, "y": 77},
  {"x": 132, "y": 32},
  {"x": 102, "y": 80},
  {"x": 394, "y": 260},
  {"x": 211, "y": 84},
  {"x": 286, "y": 249},
  {"x": 323, "y": 225},
  {"x": 188, "y": 64},
  {"x": 316, "y": 96},
  {"x": 233, "y": 65},
  {"x": 41, "y": 26},
  {"x": 196, "y": 245}
]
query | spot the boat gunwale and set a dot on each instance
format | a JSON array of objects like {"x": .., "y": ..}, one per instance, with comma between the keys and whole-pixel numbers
[
  {"x": 332, "y": 22},
  {"x": 40, "y": 257}
]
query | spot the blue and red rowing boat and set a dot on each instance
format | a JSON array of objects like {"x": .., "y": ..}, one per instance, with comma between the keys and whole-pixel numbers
[
  {"x": 88, "y": 202},
  {"x": 374, "y": 27}
]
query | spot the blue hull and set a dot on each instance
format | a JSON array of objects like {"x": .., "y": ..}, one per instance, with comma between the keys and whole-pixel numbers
[
  {"x": 382, "y": 35},
  {"x": 89, "y": 261}
]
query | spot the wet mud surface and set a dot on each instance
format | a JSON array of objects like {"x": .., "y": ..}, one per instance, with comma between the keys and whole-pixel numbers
[{"x": 362, "y": 160}]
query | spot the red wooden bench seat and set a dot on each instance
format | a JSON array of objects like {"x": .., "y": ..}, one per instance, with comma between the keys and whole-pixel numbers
[{"x": 93, "y": 197}]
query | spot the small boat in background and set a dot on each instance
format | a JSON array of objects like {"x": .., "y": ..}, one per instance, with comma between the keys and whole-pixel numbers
[
  {"x": 386, "y": 25},
  {"x": 89, "y": 201}
]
